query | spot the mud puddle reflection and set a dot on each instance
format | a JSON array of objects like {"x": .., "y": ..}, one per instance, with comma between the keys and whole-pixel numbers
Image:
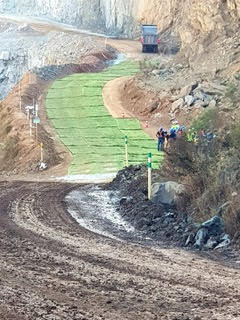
[{"x": 97, "y": 210}]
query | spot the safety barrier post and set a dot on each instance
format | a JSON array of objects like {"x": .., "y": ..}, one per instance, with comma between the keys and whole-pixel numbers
[
  {"x": 126, "y": 150},
  {"x": 149, "y": 176},
  {"x": 41, "y": 155}
]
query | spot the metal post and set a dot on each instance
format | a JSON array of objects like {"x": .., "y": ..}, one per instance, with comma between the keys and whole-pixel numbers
[
  {"x": 41, "y": 157},
  {"x": 126, "y": 150},
  {"x": 149, "y": 176}
]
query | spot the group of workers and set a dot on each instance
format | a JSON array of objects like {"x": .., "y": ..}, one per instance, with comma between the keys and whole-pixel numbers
[
  {"x": 177, "y": 131},
  {"x": 164, "y": 136}
]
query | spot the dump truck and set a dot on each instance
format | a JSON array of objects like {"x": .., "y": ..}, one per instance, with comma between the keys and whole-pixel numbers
[{"x": 149, "y": 39}]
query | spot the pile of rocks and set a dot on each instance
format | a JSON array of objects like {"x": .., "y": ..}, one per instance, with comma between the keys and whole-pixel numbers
[
  {"x": 209, "y": 235},
  {"x": 197, "y": 96},
  {"x": 21, "y": 51},
  {"x": 158, "y": 219}
]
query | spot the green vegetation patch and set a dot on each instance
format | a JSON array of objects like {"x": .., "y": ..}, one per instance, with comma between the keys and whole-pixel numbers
[{"x": 95, "y": 139}]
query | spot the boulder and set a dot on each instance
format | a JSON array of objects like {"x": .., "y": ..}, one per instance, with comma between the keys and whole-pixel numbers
[
  {"x": 186, "y": 91},
  {"x": 201, "y": 238},
  {"x": 177, "y": 105},
  {"x": 212, "y": 103},
  {"x": 213, "y": 89},
  {"x": 211, "y": 243},
  {"x": 166, "y": 193},
  {"x": 213, "y": 225},
  {"x": 199, "y": 104},
  {"x": 209, "y": 232},
  {"x": 190, "y": 240},
  {"x": 199, "y": 95},
  {"x": 189, "y": 100},
  {"x": 224, "y": 242}
]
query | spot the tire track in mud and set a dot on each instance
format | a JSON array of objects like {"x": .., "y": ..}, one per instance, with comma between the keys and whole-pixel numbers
[{"x": 51, "y": 268}]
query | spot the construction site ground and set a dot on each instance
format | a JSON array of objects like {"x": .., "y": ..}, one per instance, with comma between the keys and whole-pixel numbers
[{"x": 52, "y": 268}]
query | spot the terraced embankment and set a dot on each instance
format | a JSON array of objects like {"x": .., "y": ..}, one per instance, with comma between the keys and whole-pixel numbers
[{"x": 95, "y": 139}]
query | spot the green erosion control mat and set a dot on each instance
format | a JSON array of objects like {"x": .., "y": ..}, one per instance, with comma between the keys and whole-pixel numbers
[{"x": 95, "y": 139}]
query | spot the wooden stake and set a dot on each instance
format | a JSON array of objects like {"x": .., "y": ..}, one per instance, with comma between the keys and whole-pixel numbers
[{"x": 41, "y": 155}]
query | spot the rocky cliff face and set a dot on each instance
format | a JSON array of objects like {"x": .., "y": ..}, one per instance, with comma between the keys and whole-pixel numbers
[
  {"x": 206, "y": 31},
  {"x": 116, "y": 17},
  {"x": 188, "y": 18}
]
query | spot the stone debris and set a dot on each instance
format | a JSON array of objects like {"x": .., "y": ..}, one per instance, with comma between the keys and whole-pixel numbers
[
  {"x": 211, "y": 234},
  {"x": 167, "y": 192},
  {"x": 189, "y": 100},
  {"x": 22, "y": 51},
  {"x": 178, "y": 104},
  {"x": 158, "y": 219}
]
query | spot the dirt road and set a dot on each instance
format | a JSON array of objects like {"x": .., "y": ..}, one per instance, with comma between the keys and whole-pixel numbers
[{"x": 51, "y": 268}]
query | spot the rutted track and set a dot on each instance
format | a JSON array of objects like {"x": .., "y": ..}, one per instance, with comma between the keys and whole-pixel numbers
[{"x": 51, "y": 268}]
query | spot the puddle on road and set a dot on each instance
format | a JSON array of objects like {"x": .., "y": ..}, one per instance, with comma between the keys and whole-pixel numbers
[{"x": 96, "y": 210}]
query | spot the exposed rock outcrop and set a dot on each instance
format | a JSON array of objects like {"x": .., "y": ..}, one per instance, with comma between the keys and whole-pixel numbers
[{"x": 191, "y": 19}]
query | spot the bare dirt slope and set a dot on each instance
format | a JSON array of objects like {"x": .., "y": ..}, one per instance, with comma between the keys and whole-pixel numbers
[{"x": 53, "y": 269}]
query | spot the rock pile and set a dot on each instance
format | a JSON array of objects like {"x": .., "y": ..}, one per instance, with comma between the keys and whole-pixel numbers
[
  {"x": 158, "y": 219},
  {"x": 21, "y": 51},
  {"x": 210, "y": 235},
  {"x": 197, "y": 95}
]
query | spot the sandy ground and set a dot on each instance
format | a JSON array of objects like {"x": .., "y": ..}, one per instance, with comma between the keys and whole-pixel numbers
[{"x": 114, "y": 102}]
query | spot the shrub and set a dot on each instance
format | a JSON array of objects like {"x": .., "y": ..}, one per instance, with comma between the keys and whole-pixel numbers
[
  {"x": 233, "y": 138},
  {"x": 232, "y": 93},
  {"x": 209, "y": 120}
]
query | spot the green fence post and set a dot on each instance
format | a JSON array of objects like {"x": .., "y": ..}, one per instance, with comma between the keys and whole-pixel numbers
[
  {"x": 126, "y": 150},
  {"x": 149, "y": 176}
]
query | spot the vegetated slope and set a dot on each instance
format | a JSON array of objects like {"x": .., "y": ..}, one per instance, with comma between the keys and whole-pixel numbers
[
  {"x": 19, "y": 151},
  {"x": 96, "y": 140}
]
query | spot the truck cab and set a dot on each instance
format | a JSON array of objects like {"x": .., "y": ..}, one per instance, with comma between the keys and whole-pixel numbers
[{"x": 149, "y": 39}]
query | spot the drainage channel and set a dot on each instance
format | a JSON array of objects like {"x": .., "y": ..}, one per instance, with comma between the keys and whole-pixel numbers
[{"x": 97, "y": 210}]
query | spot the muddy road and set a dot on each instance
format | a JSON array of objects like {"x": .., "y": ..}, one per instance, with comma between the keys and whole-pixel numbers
[{"x": 51, "y": 268}]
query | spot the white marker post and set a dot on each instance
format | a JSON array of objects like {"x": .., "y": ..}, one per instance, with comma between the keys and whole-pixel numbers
[
  {"x": 41, "y": 156},
  {"x": 30, "y": 125},
  {"x": 149, "y": 176},
  {"x": 126, "y": 150},
  {"x": 36, "y": 115},
  {"x": 20, "y": 96}
]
